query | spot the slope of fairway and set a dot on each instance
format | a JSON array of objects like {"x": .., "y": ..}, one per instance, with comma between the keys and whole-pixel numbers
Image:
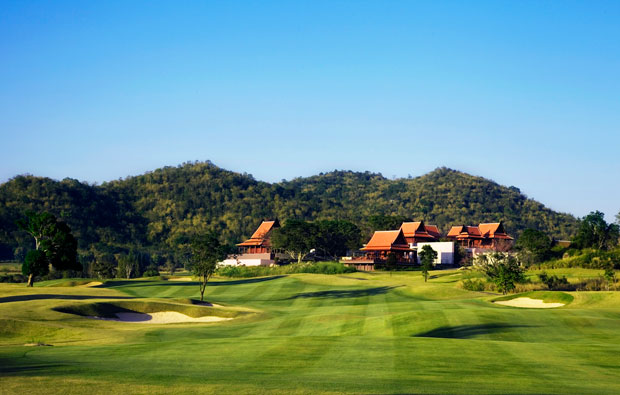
[{"x": 355, "y": 333}]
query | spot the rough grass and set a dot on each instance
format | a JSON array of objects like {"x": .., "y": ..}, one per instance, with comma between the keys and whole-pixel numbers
[{"x": 349, "y": 333}]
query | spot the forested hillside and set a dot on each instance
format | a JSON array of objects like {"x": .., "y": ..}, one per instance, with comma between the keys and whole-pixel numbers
[{"x": 164, "y": 208}]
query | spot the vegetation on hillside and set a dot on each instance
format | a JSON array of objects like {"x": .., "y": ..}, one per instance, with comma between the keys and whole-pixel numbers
[{"x": 159, "y": 212}]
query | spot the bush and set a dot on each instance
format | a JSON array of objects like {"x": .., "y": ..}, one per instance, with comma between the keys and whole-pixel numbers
[
  {"x": 554, "y": 282},
  {"x": 473, "y": 285},
  {"x": 595, "y": 284},
  {"x": 587, "y": 258},
  {"x": 304, "y": 267},
  {"x": 12, "y": 278},
  {"x": 151, "y": 271}
]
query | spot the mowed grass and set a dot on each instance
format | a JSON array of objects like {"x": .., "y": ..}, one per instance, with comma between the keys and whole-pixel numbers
[{"x": 353, "y": 333}]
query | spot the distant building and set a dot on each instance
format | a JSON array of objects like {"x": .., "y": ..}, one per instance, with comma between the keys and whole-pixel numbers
[
  {"x": 485, "y": 236},
  {"x": 256, "y": 250},
  {"x": 381, "y": 244},
  {"x": 444, "y": 250},
  {"x": 417, "y": 232}
]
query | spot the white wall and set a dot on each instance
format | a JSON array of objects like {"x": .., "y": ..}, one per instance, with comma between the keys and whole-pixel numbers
[
  {"x": 444, "y": 250},
  {"x": 246, "y": 262}
]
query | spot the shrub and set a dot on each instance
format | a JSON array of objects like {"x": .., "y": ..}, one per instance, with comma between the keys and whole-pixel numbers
[
  {"x": 587, "y": 258},
  {"x": 473, "y": 285},
  {"x": 554, "y": 282},
  {"x": 151, "y": 271},
  {"x": 304, "y": 267},
  {"x": 12, "y": 278}
]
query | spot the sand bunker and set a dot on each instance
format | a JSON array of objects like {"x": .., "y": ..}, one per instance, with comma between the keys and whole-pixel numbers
[
  {"x": 93, "y": 284},
  {"x": 180, "y": 279},
  {"x": 162, "y": 317},
  {"x": 529, "y": 303}
]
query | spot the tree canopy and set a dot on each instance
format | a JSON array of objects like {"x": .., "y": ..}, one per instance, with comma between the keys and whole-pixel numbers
[
  {"x": 207, "y": 251},
  {"x": 595, "y": 232},
  {"x": 534, "y": 246},
  {"x": 54, "y": 243},
  {"x": 164, "y": 209},
  {"x": 427, "y": 259},
  {"x": 502, "y": 269}
]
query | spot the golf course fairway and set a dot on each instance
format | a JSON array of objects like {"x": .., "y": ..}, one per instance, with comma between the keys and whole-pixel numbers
[{"x": 374, "y": 333}]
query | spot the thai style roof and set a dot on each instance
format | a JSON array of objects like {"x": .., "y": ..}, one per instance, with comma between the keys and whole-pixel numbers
[
  {"x": 464, "y": 232},
  {"x": 493, "y": 231},
  {"x": 482, "y": 231},
  {"x": 416, "y": 229},
  {"x": 387, "y": 240},
  {"x": 455, "y": 231},
  {"x": 261, "y": 236},
  {"x": 433, "y": 230}
]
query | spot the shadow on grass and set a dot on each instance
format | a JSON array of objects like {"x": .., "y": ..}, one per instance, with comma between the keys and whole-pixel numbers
[
  {"x": 24, "y": 369},
  {"x": 338, "y": 293},
  {"x": 120, "y": 283},
  {"x": 189, "y": 283},
  {"x": 24, "y": 298},
  {"x": 469, "y": 331}
]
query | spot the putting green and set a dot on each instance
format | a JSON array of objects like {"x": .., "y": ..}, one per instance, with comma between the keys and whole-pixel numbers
[{"x": 304, "y": 333}]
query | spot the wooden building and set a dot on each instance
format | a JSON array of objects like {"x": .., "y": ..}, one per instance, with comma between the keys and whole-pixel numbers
[
  {"x": 259, "y": 242},
  {"x": 417, "y": 232},
  {"x": 489, "y": 235},
  {"x": 381, "y": 244}
]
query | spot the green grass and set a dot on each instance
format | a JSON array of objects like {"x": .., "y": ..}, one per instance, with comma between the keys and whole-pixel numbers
[{"x": 310, "y": 333}]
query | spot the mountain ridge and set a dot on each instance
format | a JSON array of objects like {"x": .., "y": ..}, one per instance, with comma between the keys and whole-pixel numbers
[{"x": 164, "y": 207}]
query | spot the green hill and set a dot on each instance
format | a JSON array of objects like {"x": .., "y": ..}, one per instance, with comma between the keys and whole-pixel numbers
[{"x": 165, "y": 207}]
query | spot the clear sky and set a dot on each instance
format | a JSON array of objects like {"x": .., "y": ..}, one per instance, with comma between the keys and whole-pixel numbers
[{"x": 526, "y": 93}]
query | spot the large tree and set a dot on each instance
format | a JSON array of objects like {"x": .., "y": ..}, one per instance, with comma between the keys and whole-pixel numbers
[
  {"x": 534, "y": 246},
  {"x": 207, "y": 251},
  {"x": 334, "y": 237},
  {"x": 296, "y": 238},
  {"x": 595, "y": 232},
  {"x": 53, "y": 239},
  {"x": 427, "y": 258},
  {"x": 502, "y": 269}
]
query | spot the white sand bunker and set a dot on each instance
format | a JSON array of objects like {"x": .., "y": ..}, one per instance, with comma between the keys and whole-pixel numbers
[
  {"x": 529, "y": 303},
  {"x": 162, "y": 317},
  {"x": 180, "y": 279}
]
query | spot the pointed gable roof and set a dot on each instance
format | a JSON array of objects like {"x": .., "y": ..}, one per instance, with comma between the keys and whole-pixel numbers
[
  {"x": 415, "y": 229},
  {"x": 387, "y": 240},
  {"x": 455, "y": 231},
  {"x": 463, "y": 232},
  {"x": 493, "y": 230},
  {"x": 260, "y": 236},
  {"x": 433, "y": 230}
]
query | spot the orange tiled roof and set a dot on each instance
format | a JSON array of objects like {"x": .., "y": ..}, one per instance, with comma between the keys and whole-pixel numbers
[
  {"x": 489, "y": 230},
  {"x": 455, "y": 231},
  {"x": 259, "y": 237},
  {"x": 494, "y": 231},
  {"x": 462, "y": 231},
  {"x": 387, "y": 240},
  {"x": 415, "y": 229},
  {"x": 433, "y": 230}
]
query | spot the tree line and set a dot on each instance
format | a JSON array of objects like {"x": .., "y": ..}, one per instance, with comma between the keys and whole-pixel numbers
[{"x": 158, "y": 213}]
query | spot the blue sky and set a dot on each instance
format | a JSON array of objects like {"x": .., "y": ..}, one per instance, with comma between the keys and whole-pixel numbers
[{"x": 526, "y": 93}]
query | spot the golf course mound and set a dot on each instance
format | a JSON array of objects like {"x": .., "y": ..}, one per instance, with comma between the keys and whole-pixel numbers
[
  {"x": 536, "y": 300},
  {"x": 72, "y": 283},
  {"x": 150, "y": 312}
]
